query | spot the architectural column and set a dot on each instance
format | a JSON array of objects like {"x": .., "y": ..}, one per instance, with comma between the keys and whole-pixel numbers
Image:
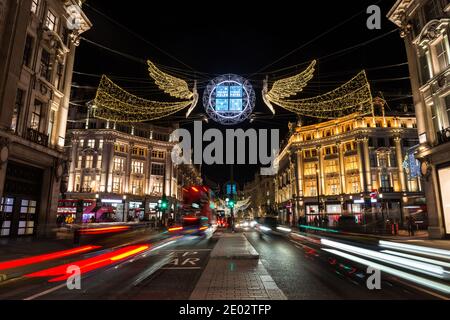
[
  {"x": 127, "y": 184},
  {"x": 321, "y": 172},
  {"x": 399, "y": 157},
  {"x": 63, "y": 109},
  {"x": 168, "y": 175},
  {"x": 342, "y": 168},
  {"x": 148, "y": 169},
  {"x": 4, "y": 155},
  {"x": 299, "y": 170},
  {"x": 109, "y": 168},
  {"x": 73, "y": 164},
  {"x": 361, "y": 165},
  {"x": 367, "y": 167},
  {"x": 423, "y": 119}
]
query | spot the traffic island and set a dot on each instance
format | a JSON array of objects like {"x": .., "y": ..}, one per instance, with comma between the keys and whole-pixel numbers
[{"x": 234, "y": 272}]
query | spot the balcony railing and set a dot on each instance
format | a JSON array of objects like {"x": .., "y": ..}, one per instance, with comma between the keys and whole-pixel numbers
[{"x": 37, "y": 137}]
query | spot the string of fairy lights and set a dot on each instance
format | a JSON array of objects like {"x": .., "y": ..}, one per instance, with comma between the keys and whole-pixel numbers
[{"x": 115, "y": 103}]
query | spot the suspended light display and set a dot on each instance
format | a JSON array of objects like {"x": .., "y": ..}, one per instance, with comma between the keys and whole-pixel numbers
[{"x": 229, "y": 99}]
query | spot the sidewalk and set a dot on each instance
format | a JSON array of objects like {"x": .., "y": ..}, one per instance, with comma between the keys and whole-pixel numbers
[{"x": 234, "y": 272}]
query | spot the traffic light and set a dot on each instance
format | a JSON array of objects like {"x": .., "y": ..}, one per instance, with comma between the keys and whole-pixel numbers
[
  {"x": 231, "y": 204},
  {"x": 164, "y": 203}
]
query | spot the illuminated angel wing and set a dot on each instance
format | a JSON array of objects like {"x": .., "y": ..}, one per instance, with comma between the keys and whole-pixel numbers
[
  {"x": 287, "y": 87},
  {"x": 174, "y": 86}
]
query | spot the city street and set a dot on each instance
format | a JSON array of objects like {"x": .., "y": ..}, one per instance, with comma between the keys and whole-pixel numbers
[
  {"x": 171, "y": 266},
  {"x": 202, "y": 153}
]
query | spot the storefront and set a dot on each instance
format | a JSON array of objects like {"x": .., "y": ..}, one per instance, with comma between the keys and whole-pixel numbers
[
  {"x": 444, "y": 186},
  {"x": 20, "y": 203}
]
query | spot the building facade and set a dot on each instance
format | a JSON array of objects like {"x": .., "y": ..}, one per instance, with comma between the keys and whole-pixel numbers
[
  {"x": 261, "y": 192},
  {"x": 37, "y": 51},
  {"x": 125, "y": 165},
  {"x": 424, "y": 26},
  {"x": 353, "y": 165}
]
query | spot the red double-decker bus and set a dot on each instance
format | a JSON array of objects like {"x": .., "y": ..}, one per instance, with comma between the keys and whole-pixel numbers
[{"x": 92, "y": 212}]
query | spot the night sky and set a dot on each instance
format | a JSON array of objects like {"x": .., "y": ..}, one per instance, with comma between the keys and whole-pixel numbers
[{"x": 206, "y": 39}]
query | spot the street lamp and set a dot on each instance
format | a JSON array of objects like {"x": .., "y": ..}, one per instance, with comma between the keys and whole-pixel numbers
[{"x": 124, "y": 198}]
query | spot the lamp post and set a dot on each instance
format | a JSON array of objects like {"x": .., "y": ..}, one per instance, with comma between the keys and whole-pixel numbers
[{"x": 124, "y": 198}]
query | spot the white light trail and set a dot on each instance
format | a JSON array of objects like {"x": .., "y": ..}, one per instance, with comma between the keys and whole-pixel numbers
[
  {"x": 438, "y": 253},
  {"x": 401, "y": 274},
  {"x": 426, "y": 268}
]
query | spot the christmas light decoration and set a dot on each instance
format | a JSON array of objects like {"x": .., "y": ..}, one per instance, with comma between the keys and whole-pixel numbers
[
  {"x": 116, "y": 104},
  {"x": 353, "y": 96},
  {"x": 174, "y": 86},
  {"x": 287, "y": 87}
]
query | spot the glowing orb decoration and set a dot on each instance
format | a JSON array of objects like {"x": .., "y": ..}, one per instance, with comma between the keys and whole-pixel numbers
[{"x": 229, "y": 99}]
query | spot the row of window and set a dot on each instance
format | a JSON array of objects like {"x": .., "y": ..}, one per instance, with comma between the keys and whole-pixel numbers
[
  {"x": 89, "y": 183},
  {"x": 349, "y": 127},
  {"x": 137, "y": 166},
  {"x": 91, "y": 143},
  {"x": 139, "y": 151}
]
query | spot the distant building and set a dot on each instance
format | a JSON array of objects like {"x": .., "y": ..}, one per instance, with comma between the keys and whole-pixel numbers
[
  {"x": 37, "y": 51},
  {"x": 424, "y": 26},
  {"x": 124, "y": 164},
  {"x": 261, "y": 192},
  {"x": 351, "y": 165}
]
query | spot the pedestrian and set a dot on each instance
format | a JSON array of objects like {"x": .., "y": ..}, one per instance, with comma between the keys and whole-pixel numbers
[{"x": 411, "y": 225}]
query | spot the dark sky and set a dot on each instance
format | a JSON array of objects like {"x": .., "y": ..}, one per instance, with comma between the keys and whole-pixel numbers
[{"x": 205, "y": 39}]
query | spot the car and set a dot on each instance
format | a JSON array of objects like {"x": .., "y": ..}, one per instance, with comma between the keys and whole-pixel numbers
[{"x": 270, "y": 225}]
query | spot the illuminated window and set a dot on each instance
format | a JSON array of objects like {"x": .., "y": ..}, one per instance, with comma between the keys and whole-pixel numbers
[
  {"x": 117, "y": 184},
  {"x": 87, "y": 180},
  {"x": 157, "y": 187},
  {"x": 332, "y": 185},
  {"x": 17, "y": 109},
  {"x": 119, "y": 163},
  {"x": 100, "y": 144},
  {"x": 442, "y": 54},
  {"x": 81, "y": 143},
  {"x": 137, "y": 167},
  {"x": 137, "y": 186},
  {"x": 310, "y": 188},
  {"x": 353, "y": 184},
  {"x": 89, "y": 161},
  {"x": 158, "y": 154},
  {"x": 50, "y": 22},
  {"x": 99, "y": 161},
  {"x": 351, "y": 163},
  {"x": 36, "y": 115},
  {"x": 80, "y": 161},
  {"x": 310, "y": 168},
  {"x": 91, "y": 143},
  {"x": 331, "y": 166}
]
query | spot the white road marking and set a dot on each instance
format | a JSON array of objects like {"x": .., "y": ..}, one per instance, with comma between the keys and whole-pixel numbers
[{"x": 43, "y": 293}]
